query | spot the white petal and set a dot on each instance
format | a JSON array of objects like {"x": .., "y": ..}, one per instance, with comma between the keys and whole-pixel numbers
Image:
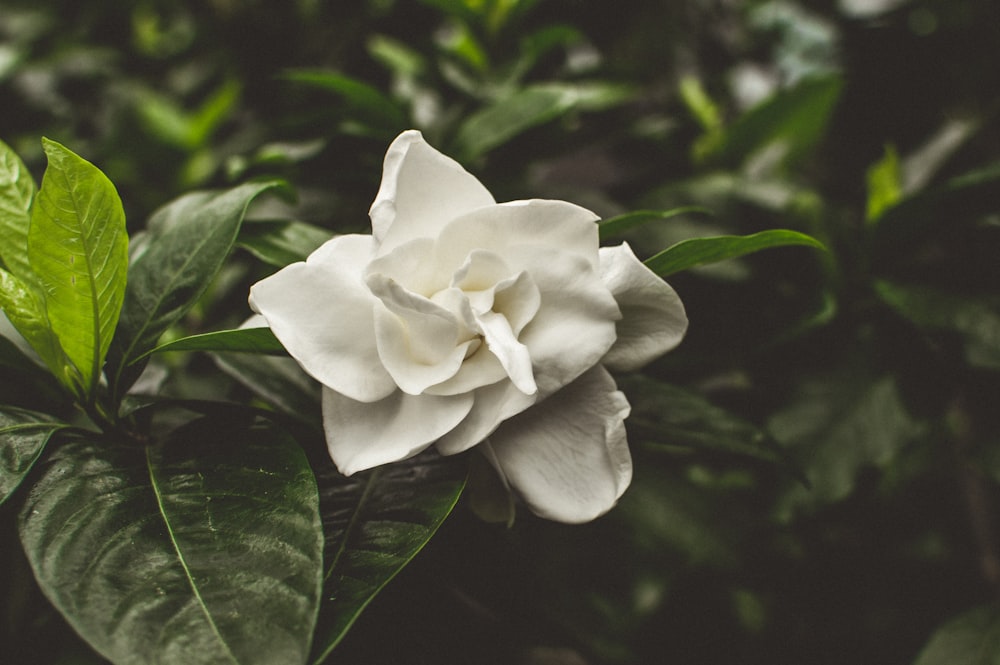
[
  {"x": 493, "y": 405},
  {"x": 421, "y": 191},
  {"x": 513, "y": 355},
  {"x": 504, "y": 228},
  {"x": 323, "y": 313},
  {"x": 420, "y": 342},
  {"x": 653, "y": 318},
  {"x": 362, "y": 435},
  {"x": 575, "y": 323},
  {"x": 567, "y": 457}
]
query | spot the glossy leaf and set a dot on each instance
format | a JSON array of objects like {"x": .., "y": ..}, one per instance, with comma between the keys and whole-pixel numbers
[
  {"x": 699, "y": 251},
  {"x": 205, "y": 549},
  {"x": 17, "y": 191},
  {"x": 78, "y": 250},
  {"x": 376, "y": 522},
  {"x": 972, "y": 638},
  {"x": 975, "y": 320},
  {"x": 614, "y": 226},
  {"x": 26, "y": 312},
  {"x": 280, "y": 381},
  {"x": 280, "y": 243},
  {"x": 23, "y": 435},
  {"x": 240, "y": 340},
  {"x": 188, "y": 241}
]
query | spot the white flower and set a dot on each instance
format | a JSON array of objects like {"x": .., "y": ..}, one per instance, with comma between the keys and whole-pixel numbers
[{"x": 462, "y": 322}]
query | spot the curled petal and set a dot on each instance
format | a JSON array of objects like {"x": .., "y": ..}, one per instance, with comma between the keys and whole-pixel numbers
[
  {"x": 513, "y": 355},
  {"x": 575, "y": 323},
  {"x": 324, "y": 316},
  {"x": 493, "y": 405},
  {"x": 362, "y": 435},
  {"x": 423, "y": 190},
  {"x": 567, "y": 457},
  {"x": 653, "y": 318}
]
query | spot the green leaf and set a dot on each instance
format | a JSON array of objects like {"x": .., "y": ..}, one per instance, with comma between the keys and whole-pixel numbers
[
  {"x": 885, "y": 186},
  {"x": 836, "y": 426},
  {"x": 26, "y": 311},
  {"x": 78, "y": 250},
  {"x": 240, "y": 340},
  {"x": 187, "y": 243},
  {"x": 976, "y": 320},
  {"x": 792, "y": 121},
  {"x": 699, "y": 251},
  {"x": 972, "y": 638},
  {"x": 529, "y": 107},
  {"x": 17, "y": 191},
  {"x": 376, "y": 522},
  {"x": 279, "y": 243},
  {"x": 614, "y": 226},
  {"x": 280, "y": 381},
  {"x": 23, "y": 435},
  {"x": 205, "y": 549},
  {"x": 665, "y": 415},
  {"x": 366, "y": 101}
]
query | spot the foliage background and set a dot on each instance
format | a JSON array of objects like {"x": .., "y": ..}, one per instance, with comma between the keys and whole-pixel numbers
[{"x": 873, "y": 369}]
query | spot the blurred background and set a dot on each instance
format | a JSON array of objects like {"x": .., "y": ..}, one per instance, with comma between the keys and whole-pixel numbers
[{"x": 816, "y": 465}]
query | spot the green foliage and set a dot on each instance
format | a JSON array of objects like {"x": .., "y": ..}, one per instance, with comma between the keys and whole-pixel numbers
[
  {"x": 700, "y": 251},
  {"x": 973, "y": 638},
  {"x": 205, "y": 548},
  {"x": 23, "y": 436}
]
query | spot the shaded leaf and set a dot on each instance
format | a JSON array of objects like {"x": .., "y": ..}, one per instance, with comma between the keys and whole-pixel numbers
[
  {"x": 240, "y": 340},
  {"x": 280, "y": 243},
  {"x": 17, "y": 191},
  {"x": 834, "y": 428},
  {"x": 23, "y": 435},
  {"x": 188, "y": 242},
  {"x": 367, "y": 102},
  {"x": 280, "y": 381},
  {"x": 205, "y": 549},
  {"x": 699, "y": 251},
  {"x": 619, "y": 224},
  {"x": 972, "y": 638},
  {"x": 376, "y": 522},
  {"x": 976, "y": 320},
  {"x": 78, "y": 250},
  {"x": 665, "y": 415}
]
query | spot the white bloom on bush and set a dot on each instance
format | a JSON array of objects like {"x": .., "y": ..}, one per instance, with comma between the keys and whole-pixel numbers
[{"x": 464, "y": 322}]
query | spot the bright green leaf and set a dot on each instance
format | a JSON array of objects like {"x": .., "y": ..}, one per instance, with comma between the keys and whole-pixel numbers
[
  {"x": 17, "y": 191},
  {"x": 885, "y": 187},
  {"x": 187, "y": 244},
  {"x": 619, "y": 224},
  {"x": 78, "y": 250},
  {"x": 699, "y": 251},
  {"x": 972, "y": 638},
  {"x": 700, "y": 105},
  {"x": 23, "y": 435},
  {"x": 240, "y": 340},
  {"x": 976, "y": 320},
  {"x": 376, "y": 523},
  {"x": 206, "y": 549},
  {"x": 26, "y": 311},
  {"x": 279, "y": 243}
]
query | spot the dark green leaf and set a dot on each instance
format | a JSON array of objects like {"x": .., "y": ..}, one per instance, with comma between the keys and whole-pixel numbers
[
  {"x": 279, "y": 243},
  {"x": 188, "y": 242},
  {"x": 976, "y": 320},
  {"x": 529, "y": 107},
  {"x": 836, "y": 426},
  {"x": 972, "y": 638},
  {"x": 369, "y": 103},
  {"x": 279, "y": 381},
  {"x": 619, "y": 224},
  {"x": 23, "y": 435},
  {"x": 699, "y": 251},
  {"x": 78, "y": 250},
  {"x": 375, "y": 523},
  {"x": 665, "y": 415},
  {"x": 205, "y": 549},
  {"x": 17, "y": 191},
  {"x": 240, "y": 340}
]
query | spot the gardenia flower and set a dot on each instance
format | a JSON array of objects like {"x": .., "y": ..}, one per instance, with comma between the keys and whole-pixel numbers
[{"x": 463, "y": 322}]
